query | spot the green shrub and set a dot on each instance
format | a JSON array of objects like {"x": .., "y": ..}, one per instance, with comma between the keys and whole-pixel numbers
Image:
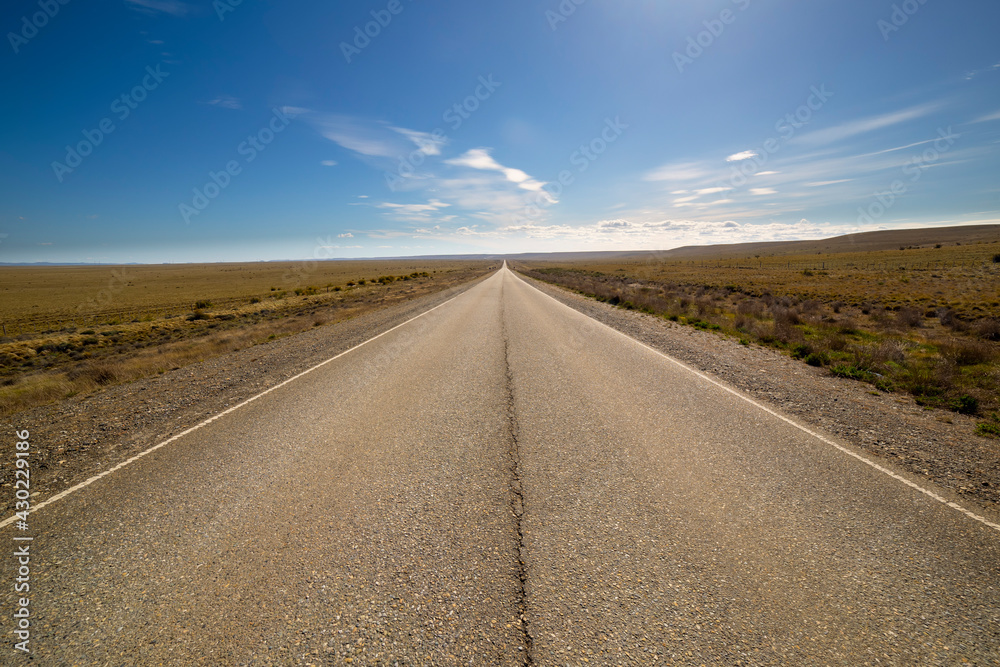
[
  {"x": 966, "y": 405},
  {"x": 801, "y": 351},
  {"x": 989, "y": 428},
  {"x": 850, "y": 371},
  {"x": 815, "y": 359}
]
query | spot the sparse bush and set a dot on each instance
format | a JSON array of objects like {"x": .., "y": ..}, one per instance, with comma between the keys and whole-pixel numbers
[
  {"x": 909, "y": 318},
  {"x": 989, "y": 428},
  {"x": 816, "y": 359},
  {"x": 850, "y": 372},
  {"x": 202, "y": 304},
  {"x": 967, "y": 352},
  {"x": 966, "y": 405},
  {"x": 255, "y": 299},
  {"x": 197, "y": 315},
  {"x": 987, "y": 329}
]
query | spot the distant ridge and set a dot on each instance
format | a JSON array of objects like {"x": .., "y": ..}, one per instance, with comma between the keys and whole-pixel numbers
[{"x": 890, "y": 239}]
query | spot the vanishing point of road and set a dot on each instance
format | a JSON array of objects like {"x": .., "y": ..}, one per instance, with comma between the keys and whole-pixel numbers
[{"x": 502, "y": 480}]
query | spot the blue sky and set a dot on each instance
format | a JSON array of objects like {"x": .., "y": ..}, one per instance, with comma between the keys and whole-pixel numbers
[{"x": 170, "y": 131}]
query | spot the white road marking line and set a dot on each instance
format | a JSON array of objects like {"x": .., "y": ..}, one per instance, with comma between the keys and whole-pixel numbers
[
  {"x": 88, "y": 482},
  {"x": 748, "y": 399}
]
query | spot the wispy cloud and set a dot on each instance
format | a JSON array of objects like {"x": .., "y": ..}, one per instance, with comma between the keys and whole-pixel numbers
[
  {"x": 328, "y": 163},
  {"x": 745, "y": 155},
  {"x": 678, "y": 171},
  {"x": 171, "y": 7},
  {"x": 864, "y": 125},
  {"x": 988, "y": 117},
  {"x": 226, "y": 102},
  {"x": 976, "y": 72},
  {"x": 819, "y": 184},
  {"x": 480, "y": 158},
  {"x": 427, "y": 143}
]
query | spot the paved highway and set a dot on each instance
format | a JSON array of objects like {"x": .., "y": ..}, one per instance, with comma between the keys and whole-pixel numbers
[{"x": 505, "y": 481}]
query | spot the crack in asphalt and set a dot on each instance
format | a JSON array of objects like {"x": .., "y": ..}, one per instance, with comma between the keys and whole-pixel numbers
[{"x": 517, "y": 492}]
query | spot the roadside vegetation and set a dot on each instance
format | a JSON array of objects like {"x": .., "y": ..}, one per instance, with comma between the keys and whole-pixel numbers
[
  {"x": 920, "y": 321},
  {"x": 60, "y": 351}
]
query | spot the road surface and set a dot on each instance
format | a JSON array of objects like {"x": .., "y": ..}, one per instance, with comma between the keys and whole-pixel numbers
[{"x": 505, "y": 481}]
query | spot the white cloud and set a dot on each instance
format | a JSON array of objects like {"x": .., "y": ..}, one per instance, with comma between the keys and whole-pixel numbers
[
  {"x": 974, "y": 73},
  {"x": 480, "y": 158},
  {"x": 329, "y": 163},
  {"x": 988, "y": 117},
  {"x": 432, "y": 205},
  {"x": 819, "y": 184},
  {"x": 745, "y": 155},
  {"x": 345, "y": 235},
  {"x": 226, "y": 102},
  {"x": 678, "y": 171},
  {"x": 164, "y": 6},
  {"x": 428, "y": 144},
  {"x": 864, "y": 125},
  {"x": 758, "y": 192}
]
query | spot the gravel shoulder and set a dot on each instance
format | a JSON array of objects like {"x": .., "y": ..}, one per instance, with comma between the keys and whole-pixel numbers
[
  {"x": 75, "y": 439},
  {"x": 927, "y": 444}
]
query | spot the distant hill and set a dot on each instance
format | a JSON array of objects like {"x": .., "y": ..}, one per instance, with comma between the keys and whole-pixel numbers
[{"x": 861, "y": 242}]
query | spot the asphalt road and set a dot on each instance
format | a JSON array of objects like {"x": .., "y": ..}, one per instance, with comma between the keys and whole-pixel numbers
[{"x": 505, "y": 481}]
